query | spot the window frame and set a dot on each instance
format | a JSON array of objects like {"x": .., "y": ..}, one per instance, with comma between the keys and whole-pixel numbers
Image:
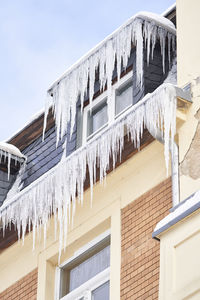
[
  {"x": 86, "y": 288},
  {"x": 111, "y": 106}
]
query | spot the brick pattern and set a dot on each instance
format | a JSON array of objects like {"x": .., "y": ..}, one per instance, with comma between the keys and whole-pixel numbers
[
  {"x": 25, "y": 288},
  {"x": 141, "y": 253}
]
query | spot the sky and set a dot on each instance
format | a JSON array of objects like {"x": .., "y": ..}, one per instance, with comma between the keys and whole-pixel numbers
[{"x": 40, "y": 39}]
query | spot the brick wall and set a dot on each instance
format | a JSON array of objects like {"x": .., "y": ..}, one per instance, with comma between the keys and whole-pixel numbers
[
  {"x": 141, "y": 253},
  {"x": 25, "y": 288}
]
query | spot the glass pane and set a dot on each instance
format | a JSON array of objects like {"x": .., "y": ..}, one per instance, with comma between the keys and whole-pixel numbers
[
  {"x": 102, "y": 292},
  {"x": 97, "y": 118},
  {"x": 89, "y": 268},
  {"x": 124, "y": 98}
]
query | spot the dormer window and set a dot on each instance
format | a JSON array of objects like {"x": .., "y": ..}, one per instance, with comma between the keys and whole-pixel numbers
[{"x": 98, "y": 118}]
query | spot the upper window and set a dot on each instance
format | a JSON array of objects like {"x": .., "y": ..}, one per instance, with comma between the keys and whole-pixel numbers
[
  {"x": 97, "y": 117},
  {"x": 124, "y": 97},
  {"x": 87, "y": 276}
]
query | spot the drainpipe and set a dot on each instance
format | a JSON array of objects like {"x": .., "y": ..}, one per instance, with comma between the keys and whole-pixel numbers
[{"x": 174, "y": 164}]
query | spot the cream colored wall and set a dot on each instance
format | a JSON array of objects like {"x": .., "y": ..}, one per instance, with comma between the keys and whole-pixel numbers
[
  {"x": 180, "y": 263},
  {"x": 188, "y": 68},
  {"x": 129, "y": 181}
]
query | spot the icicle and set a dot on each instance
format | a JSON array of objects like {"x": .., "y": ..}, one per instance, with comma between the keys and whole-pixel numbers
[
  {"x": 48, "y": 103},
  {"x": 9, "y": 159},
  {"x": 63, "y": 185},
  {"x": 143, "y": 29},
  {"x": 56, "y": 192}
]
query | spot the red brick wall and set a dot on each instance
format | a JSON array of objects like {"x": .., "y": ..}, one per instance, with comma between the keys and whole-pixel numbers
[
  {"x": 141, "y": 253},
  {"x": 25, "y": 288}
]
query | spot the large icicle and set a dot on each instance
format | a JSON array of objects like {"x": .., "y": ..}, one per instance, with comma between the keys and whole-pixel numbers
[
  {"x": 57, "y": 191},
  {"x": 142, "y": 29}
]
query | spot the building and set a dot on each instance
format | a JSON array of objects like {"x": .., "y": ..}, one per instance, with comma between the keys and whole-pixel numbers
[{"x": 135, "y": 233}]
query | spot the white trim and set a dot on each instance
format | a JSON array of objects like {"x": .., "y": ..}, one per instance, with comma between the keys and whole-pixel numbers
[
  {"x": 57, "y": 283},
  {"x": 98, "y": 100},
  {"x": 81, "y": 251},
  {"x": 101, "y": 98},
  {"x": 86, "y": 247},
  {"x": 86, "y": 288}
]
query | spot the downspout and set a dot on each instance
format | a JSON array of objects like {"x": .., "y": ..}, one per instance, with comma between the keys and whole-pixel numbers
[{"x": 174, "y": 165}]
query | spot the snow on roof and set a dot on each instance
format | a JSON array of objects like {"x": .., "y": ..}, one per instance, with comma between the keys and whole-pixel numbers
[
  {"x": 159, "y": 19},
  {"x": 182, "y": 210},
  {"x": 169, "y": 10},
  {"x": 11, "y": 149}
]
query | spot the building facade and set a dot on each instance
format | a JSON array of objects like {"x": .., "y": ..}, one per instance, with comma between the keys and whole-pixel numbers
[{"x": 94, "y": 197}]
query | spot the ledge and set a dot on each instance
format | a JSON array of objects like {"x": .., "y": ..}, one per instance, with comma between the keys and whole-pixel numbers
[{"x": 178, "y": 213}]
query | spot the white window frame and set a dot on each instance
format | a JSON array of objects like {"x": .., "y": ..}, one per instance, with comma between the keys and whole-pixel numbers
[
  {"x": 100, "y": 99},
  {"x": 85, "y": 290}
]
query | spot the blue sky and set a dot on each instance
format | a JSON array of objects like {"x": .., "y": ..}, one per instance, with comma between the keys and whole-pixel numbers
[{"x": 40, "y": 39}]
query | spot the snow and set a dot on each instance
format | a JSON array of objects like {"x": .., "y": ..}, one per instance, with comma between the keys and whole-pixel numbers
[
  {"x": 182, "y": 208},
  {"x": 6, "y": 147},
  {"x": 172, "y": 75},
  {"x": 169, "y": 10},
  {"x": 8, "y": 152},
  {"x": 142, "y": 29},
  {"x": 58, "y": 191}
]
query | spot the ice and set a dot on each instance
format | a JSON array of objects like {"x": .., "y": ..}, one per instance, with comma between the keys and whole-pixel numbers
[
  {"x": 8, "y": 152},
  {"x": 144, "y": 29},
  {"x": 9, "y": 148},
  {"x": 172, "y": 75},
  {"x": 181, "y": 210},
  {"x": 57, "y": 192}
]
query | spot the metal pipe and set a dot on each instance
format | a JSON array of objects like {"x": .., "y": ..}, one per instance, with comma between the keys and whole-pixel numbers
[{"x": 174, "y": 164}]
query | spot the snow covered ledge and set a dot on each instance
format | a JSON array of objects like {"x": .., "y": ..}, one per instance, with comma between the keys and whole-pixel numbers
[
  {"x": 8, "y": 152},
  {"x": 178, "y": 213},
  {"x": 59, "y": 189}
]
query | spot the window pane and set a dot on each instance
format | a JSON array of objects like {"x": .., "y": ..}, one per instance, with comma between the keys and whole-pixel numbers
[
  {"x": 102, "y": 292},
  {"x": 89, "y": 268},
  {"x": 97, "y": 118},
  {"x": 124, "y": 98}
]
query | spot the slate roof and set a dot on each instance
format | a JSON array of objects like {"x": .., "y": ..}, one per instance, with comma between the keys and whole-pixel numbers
[
  {"x": 44, "y": 155},
  {"x": 5, "y": 185}
]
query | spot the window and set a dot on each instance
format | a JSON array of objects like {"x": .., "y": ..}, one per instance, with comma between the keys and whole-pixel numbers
[
  {"x": 86, "y": 276},
  {"x": 124, "y": 97},
  {"x": 97, "y": 118}
]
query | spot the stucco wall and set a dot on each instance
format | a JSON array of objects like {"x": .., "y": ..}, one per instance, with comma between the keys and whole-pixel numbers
[
  {"x": 188, "y": 71},
  {"x": 180, "y": 264}
]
